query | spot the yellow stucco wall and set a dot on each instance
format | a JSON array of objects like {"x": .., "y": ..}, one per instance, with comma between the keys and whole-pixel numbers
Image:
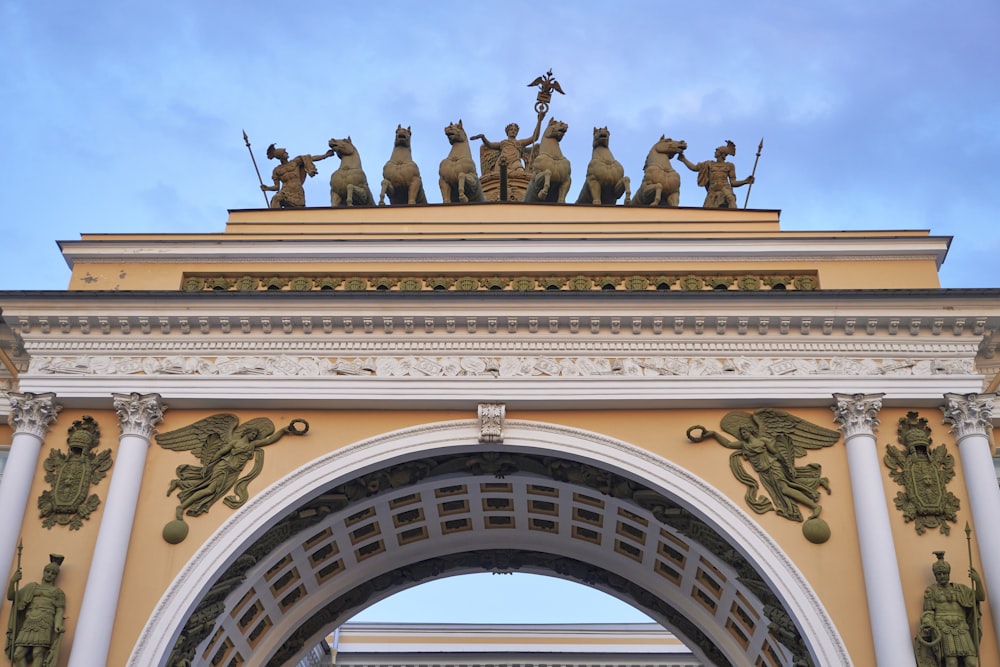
[
  {"x": 832, "y": 569},
  {"x": 851, "y": 266},
  {"x": 841, "y": 274}
]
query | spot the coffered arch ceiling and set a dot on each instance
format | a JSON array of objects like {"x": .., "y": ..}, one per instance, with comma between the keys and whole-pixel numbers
[{"x": 381, "y": 516}]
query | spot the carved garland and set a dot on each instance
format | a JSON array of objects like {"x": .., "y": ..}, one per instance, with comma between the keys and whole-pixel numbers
[{"x": 686, "y": 282}]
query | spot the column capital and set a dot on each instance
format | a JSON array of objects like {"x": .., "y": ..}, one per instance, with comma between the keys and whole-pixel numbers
[
  {"x": 857, "y": 414},
  {"x": 32, "y": 413},
  {"x": 969, "y": 414},
  {"x": 138, "y": 414}
]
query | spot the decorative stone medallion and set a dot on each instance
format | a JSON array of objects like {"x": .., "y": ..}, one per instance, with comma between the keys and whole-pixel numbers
[
  {"x": 71, "y": 474},
  {"x": 924, "y": 472}
]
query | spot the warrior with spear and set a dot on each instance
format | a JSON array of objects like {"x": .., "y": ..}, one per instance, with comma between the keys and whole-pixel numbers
[
  {"x": 288, "y": 176},
  {"x": 718, "y": 177},
  {"x": 37, "y": 620},
  {"x": 948, "y": 635}
]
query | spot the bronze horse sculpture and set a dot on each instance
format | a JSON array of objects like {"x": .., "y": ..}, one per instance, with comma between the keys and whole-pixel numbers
[
  {"x": 661, "y": 185},
  {"x": 550, "y": 170},
  {"x": 400, "y": 175},
  {"x": 458, "y": 179},
  {"x": 606, "y": 179},
  {"x": 348, "y": 184}
]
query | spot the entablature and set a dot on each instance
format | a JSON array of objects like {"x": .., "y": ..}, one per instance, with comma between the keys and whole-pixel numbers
[{"x": 622, "y": 349}]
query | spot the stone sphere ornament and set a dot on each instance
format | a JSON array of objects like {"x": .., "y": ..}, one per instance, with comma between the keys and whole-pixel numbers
[
  {"x": 816, "y": 530},
  {"x": 175, "y": 532}
]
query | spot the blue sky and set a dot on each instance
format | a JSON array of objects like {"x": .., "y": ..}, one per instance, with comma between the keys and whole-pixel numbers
[
  {"x": 128, "y": 116},
  {"x": 501, "y": 598}
]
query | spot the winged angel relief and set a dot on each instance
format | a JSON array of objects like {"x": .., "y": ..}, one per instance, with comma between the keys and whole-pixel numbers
[
  {"x": 224, "y": 447},
  {"x": 770, "y": 441}
]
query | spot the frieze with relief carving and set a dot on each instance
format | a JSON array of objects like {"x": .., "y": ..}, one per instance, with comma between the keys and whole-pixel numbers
[
  {"x": 924, "y": 472},
  {"x": 505, "y": 366},
  {"x": 632, "y": 283},
  {"x": 71, "y": 474}
]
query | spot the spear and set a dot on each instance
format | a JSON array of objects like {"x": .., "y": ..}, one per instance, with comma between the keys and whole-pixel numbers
[
  {"x": 754, "y": 172},
  {"x": 13, "y": 607},
  {"x": 247, "y": 140},
  {"x": 974, "y": 630}
]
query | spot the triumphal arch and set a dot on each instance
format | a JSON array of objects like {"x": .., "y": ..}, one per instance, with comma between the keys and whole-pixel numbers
[{"x": 236, "y": 440}]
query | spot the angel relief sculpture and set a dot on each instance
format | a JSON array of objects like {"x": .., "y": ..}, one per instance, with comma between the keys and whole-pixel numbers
[
  {"x": 770, "y": 441},
  {"x": 224, "y": 447}
]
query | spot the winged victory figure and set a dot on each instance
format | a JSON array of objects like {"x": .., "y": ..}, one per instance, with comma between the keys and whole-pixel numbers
[
  {"x": 770, "y": 441},
  {"x": 224, "y": 447}
]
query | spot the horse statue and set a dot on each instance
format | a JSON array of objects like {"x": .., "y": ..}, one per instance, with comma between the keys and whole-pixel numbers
[
  {"x": 550, "y": 169},
  {"x": 348, "y": 184},
  {"x": 606, "y": 179},
  {"x": 458, "y": 179},
  {"x": 401, "y": 175},
  {"x": 661, "y": 185}
]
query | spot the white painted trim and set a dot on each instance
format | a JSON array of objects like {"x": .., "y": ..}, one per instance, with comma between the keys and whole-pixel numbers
[
  {"x": 348, "y": 392},
  {"x": 163, "y": 626},
  {"x": 227, "y": 250}
]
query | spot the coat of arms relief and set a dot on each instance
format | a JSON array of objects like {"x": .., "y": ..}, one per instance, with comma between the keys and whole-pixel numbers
[
  {"x": 924, "y": 472},
  {"x": 71, "y": 474}
]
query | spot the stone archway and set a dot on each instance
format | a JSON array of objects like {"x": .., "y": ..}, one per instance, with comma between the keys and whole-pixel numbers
[{"x": 379, "y": 516}]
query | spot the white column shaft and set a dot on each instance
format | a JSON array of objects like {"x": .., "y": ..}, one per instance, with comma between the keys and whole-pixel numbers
[
  {"x": 15, "y": 487},
  {"x": 104, "y": 582},
  {"x": 30, "y": 417},
  {"x": 100, "y": 598},
  {"x": 984, "y": 504},
  {"x": 858, "y": 416},
  {"x": 969, "y": 417},
  {"x": 886, "y": 604}
]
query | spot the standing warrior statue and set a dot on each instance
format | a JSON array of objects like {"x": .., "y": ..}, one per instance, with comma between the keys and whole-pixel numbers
[
  {"x": 36, "y": 624},
  {"x": 718, "y": 177},
  {"x": 289, "y": 177},
  {"x": 949, "y": 620}
]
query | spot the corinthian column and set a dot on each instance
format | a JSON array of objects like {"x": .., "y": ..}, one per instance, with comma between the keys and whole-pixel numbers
[
  {"x": 30, "y": 417},
  {"x": 137, "y": 415},
  {"x": 857, "y": 415},
  {"x": 969, "y": 417}
]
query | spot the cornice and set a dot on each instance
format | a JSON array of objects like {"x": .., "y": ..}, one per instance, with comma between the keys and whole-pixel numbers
[
  {"x": 360, "y": 343},
  {"x": 986, "y": 299},
  {"x": 559, "y": 249},
  {"x": 531, "y": 318}
]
